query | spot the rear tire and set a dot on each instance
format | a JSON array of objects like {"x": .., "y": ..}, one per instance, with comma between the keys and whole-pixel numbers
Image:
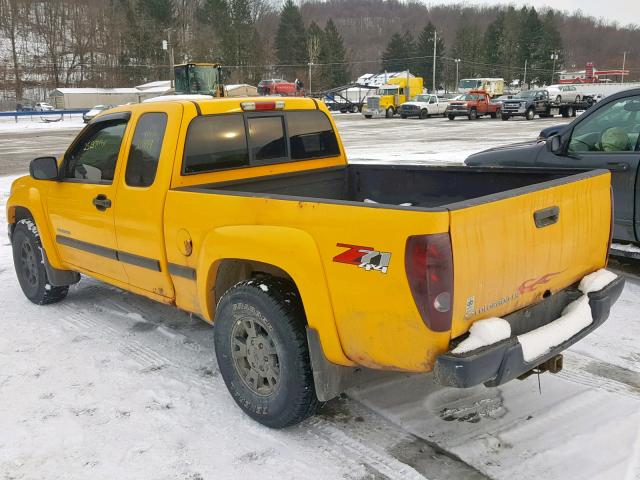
[
  {"x": 354, "y": 108},
  {"x": 262, "y": 352},
  {"x": 494, "y": 114},
  {"x": 29, "y": 264}
]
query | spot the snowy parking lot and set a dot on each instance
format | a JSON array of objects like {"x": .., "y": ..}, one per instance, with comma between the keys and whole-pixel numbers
[{"x": 110, "y": 385}]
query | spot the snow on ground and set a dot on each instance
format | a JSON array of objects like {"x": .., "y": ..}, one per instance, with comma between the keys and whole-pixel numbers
[
  {"x": 110, "y": 385},
  {"x": 41, "y": 122}
]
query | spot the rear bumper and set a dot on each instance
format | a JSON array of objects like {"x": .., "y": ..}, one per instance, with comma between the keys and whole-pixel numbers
[{"x": 503, "y": 361}]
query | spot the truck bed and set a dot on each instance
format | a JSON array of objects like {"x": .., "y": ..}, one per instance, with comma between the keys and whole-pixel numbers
[{"x": 424, "y": 187}]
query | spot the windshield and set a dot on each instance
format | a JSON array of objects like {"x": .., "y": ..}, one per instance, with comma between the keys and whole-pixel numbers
[
  {"x": 388, "y": 91},
  {"x": 193, "y": 79},
  {"x": 528, "y": 94},
  {"x": 422, "y": 98},
  {"x": 468, "y": 97},
  {"x": 469, "y": 83}
]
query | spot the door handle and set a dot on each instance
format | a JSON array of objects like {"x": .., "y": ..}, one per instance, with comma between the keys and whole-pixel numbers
[
  {"x": 101, "y": 202},
  {"x": 546, "y": 216},
  {"x": 618, "y": 166}
]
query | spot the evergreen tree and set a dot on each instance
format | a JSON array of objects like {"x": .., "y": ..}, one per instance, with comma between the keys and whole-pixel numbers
[
  {"x": 467, "y": 46},
  {"x": 424, "y": 48},
  {"x": 530, "y": 43},
  {"x": 316, "y": 55},
  {"x": 333, "y": 53},
  {"x": 492, "y": 45},
  {"x": 291, "y": 48},
  {"x": 551, "y": 42},
  {"x": 399, "y": 53}
]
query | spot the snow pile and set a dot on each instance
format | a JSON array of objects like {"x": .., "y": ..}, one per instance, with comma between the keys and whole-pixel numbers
[
  {"x": 405, "y": 204},
  {"x": 483, "y": 333},
  {"x": 625, "y": 248},
  {"x": 575, "y": 317},
  {"x": 596, "y": 281}
]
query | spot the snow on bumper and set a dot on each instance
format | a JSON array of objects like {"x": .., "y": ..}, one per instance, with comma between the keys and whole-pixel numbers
[{"x": 494, "y": 354}]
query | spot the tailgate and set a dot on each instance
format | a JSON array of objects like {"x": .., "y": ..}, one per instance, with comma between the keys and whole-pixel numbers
[{"x": 515, "y": 248}]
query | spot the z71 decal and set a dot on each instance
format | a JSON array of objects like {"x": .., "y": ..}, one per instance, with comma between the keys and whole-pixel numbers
[{"x": 364, "y": 257}]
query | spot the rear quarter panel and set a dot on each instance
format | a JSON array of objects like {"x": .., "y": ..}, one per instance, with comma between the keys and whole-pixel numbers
[{"x": 363, "y": 317}]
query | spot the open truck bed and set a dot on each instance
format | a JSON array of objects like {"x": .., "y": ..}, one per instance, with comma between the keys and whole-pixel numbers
[{"x": 389, "y": 186}]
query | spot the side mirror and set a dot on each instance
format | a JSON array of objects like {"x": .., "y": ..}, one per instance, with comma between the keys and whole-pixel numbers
[
  {"x": 554, "y": 144},
  {"x": 44, "y": 168}
]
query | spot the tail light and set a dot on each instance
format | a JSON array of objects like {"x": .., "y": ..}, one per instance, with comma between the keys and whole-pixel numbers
[{"x": 429, "y": 267}]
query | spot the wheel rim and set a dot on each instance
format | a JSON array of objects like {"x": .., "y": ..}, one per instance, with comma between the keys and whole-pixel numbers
[
  {"x": 255, "y": 357},
  {"x": 29, "y": 263}
]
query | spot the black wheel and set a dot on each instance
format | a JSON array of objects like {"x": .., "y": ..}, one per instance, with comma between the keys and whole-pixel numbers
[
  {"x": 452, "y": 117},
  {"x": 262, "y": 352},
  {"x": 403, "y": 116},
  {"x": 424, "y": 114},
  {"x": 390, "y": 112},
  {"x": 29, "y": 265},
  {"x": 473, "y": 114},
  {"x": 367, "y": 116},
  {"x": 530, "y": 114},
  {"x": 354, "y": 108},
  {"x": 494, "y": 114},
  {"x": 505, "y": 117}
]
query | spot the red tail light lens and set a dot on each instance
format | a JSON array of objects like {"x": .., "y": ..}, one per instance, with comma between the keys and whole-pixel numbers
[{"x": 429, "y": 267}]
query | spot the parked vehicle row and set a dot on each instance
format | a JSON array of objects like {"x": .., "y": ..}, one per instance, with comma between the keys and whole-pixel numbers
[{"x": 424, "y": 106}]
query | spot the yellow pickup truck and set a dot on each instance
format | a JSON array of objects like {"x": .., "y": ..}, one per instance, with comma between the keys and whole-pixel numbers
[{"x": 246, "y": 213}]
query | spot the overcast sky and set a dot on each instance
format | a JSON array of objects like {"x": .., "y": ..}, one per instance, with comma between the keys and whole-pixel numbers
[{"x": 622, "y": 11}]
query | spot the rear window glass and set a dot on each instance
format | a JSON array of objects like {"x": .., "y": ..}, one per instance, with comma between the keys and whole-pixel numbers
[
  {"x": 145, "y": 149},
  {"x": 266, "y": 138},
  {"x": 311, "y": 135},
  {"x": 216, "y": 142}
]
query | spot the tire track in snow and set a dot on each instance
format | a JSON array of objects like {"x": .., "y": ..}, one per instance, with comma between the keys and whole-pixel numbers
[
  {"x": 590, "y": 372},
  {"x": 343, "y": 447},
  {"x": 348, "y": 449}
]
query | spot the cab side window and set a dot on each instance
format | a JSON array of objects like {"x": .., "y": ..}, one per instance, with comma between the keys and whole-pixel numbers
[
  {"x": 93, "y": 159},
  {"x": 613, "y": 128},
  {"x": 144, "y": 153}
]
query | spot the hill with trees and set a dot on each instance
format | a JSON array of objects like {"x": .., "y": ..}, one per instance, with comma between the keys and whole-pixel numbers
[{"x": 107, "y": 43}]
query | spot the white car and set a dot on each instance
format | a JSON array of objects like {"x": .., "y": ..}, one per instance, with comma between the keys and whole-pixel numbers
[
  {"x": 423, "y": 106},
  {"x": 42, "y": 107},
  {"x": 564, "y": 93}
]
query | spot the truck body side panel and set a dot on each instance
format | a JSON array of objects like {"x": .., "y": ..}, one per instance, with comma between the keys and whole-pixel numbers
[{"x": 362, "y": 314}]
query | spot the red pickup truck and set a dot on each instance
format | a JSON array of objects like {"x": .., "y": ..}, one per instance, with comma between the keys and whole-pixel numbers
[{"x": 476, "y": 103}]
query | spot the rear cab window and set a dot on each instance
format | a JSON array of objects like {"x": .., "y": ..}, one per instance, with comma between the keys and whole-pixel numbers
[{"x": 237, "y": 140}]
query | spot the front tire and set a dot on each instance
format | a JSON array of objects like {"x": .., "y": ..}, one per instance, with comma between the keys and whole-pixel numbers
[
  {"x": 452, "y": 117},
  {"x": 390, "y": 112},
  {"x": 473, "y": 114},
  {"x": 530, "y": 114},
  {"x": 504, "y": 117},
  {"x": 29, "y": 264},
  {"x": 262, "y": 352},
  {"x": 424, "y": 114}
]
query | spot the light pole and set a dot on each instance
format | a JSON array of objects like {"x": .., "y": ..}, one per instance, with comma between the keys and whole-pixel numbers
[
  {"x": 457, "y": 60},
  {"x": 435, "y": 41},
  {"x": 524, "y": 81},
  {"x": 554, "y": 57},
  {"x": 310, "y": 65},
  {"x": 624, "y": 60}
]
